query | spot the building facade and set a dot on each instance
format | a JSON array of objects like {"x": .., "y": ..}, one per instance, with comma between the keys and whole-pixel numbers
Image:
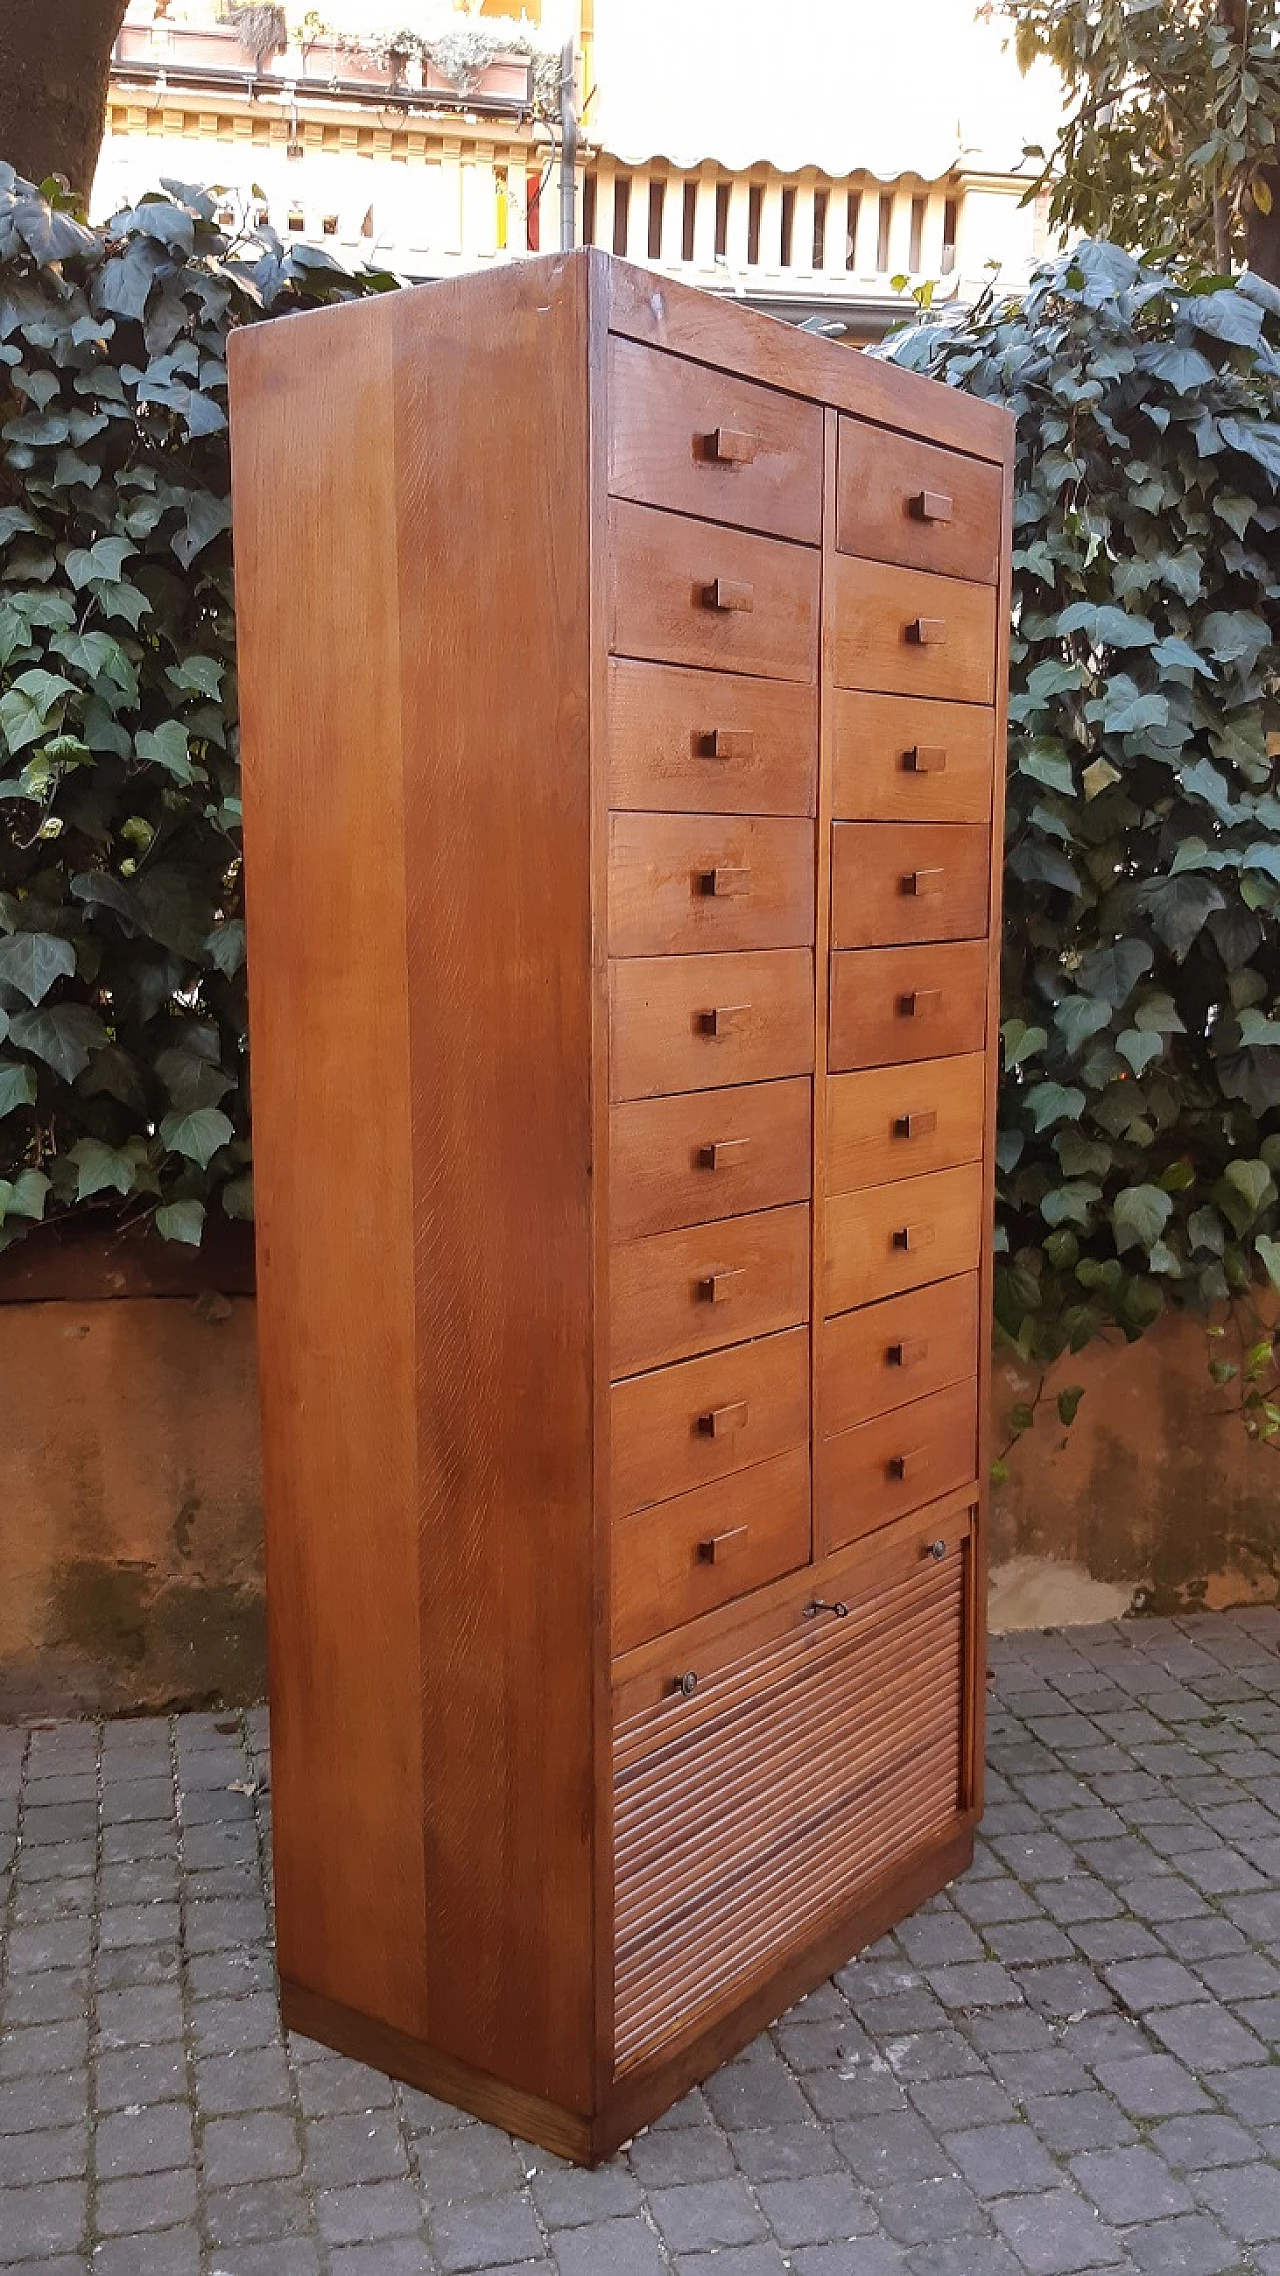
[{"x": 809, "y": 178}]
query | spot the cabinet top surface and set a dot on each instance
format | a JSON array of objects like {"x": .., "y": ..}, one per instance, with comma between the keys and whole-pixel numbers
[{"x": 642, "y": 305}]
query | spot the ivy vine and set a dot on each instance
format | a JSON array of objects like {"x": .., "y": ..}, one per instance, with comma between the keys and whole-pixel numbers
[{"x": 1139, "y": 1139}]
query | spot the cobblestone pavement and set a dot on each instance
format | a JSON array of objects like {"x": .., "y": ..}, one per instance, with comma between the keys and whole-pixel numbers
[{"x": 1067, "y": 2062}]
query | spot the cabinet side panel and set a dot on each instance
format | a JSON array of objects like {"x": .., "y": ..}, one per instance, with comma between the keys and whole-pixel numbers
[
  {"x": 315, "y": 522},
  {"x": 492, "y": 476}
]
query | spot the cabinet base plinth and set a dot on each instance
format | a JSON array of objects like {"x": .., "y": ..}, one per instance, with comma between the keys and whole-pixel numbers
[{"x": 630, "y": 2104}]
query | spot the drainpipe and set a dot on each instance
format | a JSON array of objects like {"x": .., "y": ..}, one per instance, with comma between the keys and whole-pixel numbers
[{"x": 568, "y": 151}]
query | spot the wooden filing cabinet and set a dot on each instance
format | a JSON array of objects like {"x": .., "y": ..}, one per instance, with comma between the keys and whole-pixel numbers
[{"x": 622, "y": 691}]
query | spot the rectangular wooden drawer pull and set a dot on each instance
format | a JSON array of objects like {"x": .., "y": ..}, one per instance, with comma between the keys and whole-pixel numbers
[
  {"x": 924, "y": 883},
  {"x": 728, "y": 743},
  {"x": 723, "y": 1153},
  {"x": 925, "y": 758},
  {"x": 729, "y": 595},
  {"x": 724, "y": 883},
  {"x": 909, "y": 1351},
  {"x": 932, "y": 506},
  {"x": 723, "y": 1019},
  {"x": 906, "y": 1465},
  {"x": 920, "y": 1003},
  {"x": 718, "y": 1287},
  {"x": 913, "y": 1237},
  {"x": 721, "y": 1545},
  {"x": 920, "y": 1125},
  {"x": 928, "y": 631},
  {"x": 719, "y": 1422},
  {"x": 729, "y": 446}
]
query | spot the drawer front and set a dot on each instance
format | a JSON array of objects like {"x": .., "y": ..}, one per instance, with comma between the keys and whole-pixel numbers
[
  {"x": 686, "y": 592},
  {"x": 682, "y": 883},
  {"x": 900, "y": 1122},
  {"x": 688, "y": 1023},
  {"x": 906, "y": 501},
  {"x": 899, "y": 760},
  {"x": 887, "y": 1355},
  {"x": 706, "y": 1154},
  {"x": 919, "y": 881},
  {"x": 904, "y": 633},
  {"x": 685, "y": 1557},
  {"x": 705, "y": 442},
  {"x": 868, "y": 1476},
  {"x": 676, "y": 1294},
  {"x": 688, "y": 742},
  {"x": 892, "y": 1237},
  {"x": 894, "y": 1004},
  {"x": 706, "y": 1419},
  {"x": 808, "y": 1763}
]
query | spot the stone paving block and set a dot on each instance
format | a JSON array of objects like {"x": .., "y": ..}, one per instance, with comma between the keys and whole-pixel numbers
[
  {"x": 59, "y": 2153},
  {"x": 1000, "y": 2161},
  {"x": 332, "y": 2085},
  {"x": 466, "y": 2162},
  {"x": 398, "y": 2256},
  {"x": 739, "y": 2260},
  {"x": 1056, "y": 2233},
  {"x": 150, "y": 2140},
  {"x": 258, "y": 2148},
  {"x": 1152, "y": 2086},
  {"x": 488, "y": 2232},
  {"x": 822, "y": 2209},
  {"x": 146, "y": 2201},
  {"x": 756, "y": 2090},
  {"x": 257, "y": 2078},
  {"x": 368, "y": 2212},
  {"x": 1246, "y": 2199},
  {"x": 166, "y": 2252},
  {"x": 624, "y": 2248},
  {"x": 919, "y": 2212},
  {"x": 361, "y": 2145},
  {"x": 1209, "y": 2039},
  {"x": 704, "y": 2216},
  {"x": 254, "y": 2210},
  {"x": 569, "y": 2196},
  {"x": 1130, "y": 2185},
  {"x": 57, "y": 1997},
  {"x": 892, "y": 2149},
  {"x": 1191, "y": 2245},
  {"x": 963, "y": 2256},
  {"x": 784, "y": 2153},
  {"x": 868, "y": 2256},
  {"x": 284, "y": 2256}
]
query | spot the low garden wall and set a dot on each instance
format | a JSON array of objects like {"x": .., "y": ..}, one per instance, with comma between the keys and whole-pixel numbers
[{"x": 131, "y": 1542}]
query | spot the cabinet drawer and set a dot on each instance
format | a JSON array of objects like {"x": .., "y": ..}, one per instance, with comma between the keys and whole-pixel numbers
[
  {"x": 894, "y": 1004},
  {"x": 886, "y": 1355},
  {"x": 893, "y": 883},
  {"x": 868, "y": 1476},
  {"x": 675, "y": 1294},
  {"x": 812, "y": 1758},
  {"x": 899, "y": 1122},
  {"x": 705, "y": 1419},
  {"x": 706, "y": 1154},
  {"x": 688, "y": 592},
  {"x": 684, "y": 1557},
  {"x": 688, "y": 1023},
  {"x": 905, "y": 633},
  {"x": 896, "y": 759},
  {"x": 708, "y": 743},
  {"x": 891, "y": 1237},
  {"x": 906, "y": 501},
  {"x": 705, "y": 442},
  {"x": 680, "y": 883}
]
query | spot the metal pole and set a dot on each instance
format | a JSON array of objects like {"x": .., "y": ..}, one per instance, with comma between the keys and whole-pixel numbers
[{"x": 568, "y": 151}]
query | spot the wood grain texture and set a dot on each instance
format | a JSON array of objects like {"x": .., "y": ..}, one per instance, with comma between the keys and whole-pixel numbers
[
  {"x": 893, "y": 1122},
  {"x": 892, "y": 1237},
  {"x": 905, "y": 501},
  {"x": 885, "y": 1355},
  {"x": 706, "y": 442},
  {"x": 897, "y": 1462},
  {"x": 705, "y": 1154},
  {"x": 675, "y": 1294},
  {"x": 682, "y": 884},
  {"x": 491, "y": 378},
  {"x": 707, "y": 1419},
  {"x": 316, "y": 513},
  {"x": 680, "y": 1557},
  {"x": 901, "y": 632},
  {"x": 666, "y": 571},
  {"x": 687, "y": 1023},
  {"x": 899, "y": 882},
  {"x": 709, "y": 742},
  {"x": 910, "y": 759},
  {"x": 891, "y": 1004},
  {"x": 717, "y": 332}
]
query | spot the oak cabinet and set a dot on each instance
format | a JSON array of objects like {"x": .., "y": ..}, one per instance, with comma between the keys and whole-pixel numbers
[{"x": 621, "y": 684}]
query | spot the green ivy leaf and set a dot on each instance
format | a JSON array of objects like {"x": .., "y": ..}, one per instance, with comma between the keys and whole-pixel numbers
[
  {"x": 101, "y": 1168},
  {"x": 63, "y": 1035},
  {"x": 167, "y": 746},
  {"x": 1139, "y": 1215},
  {"x": 31, "y": 962},
  {"x": 1138, "y": 1049},
  {"x": 1069, "y": 1404},
  {"x": 181, "y": 1221},
  {"x": 27, "y": 707},
  {"x": 104, "y": 558},
  {"x": 198, "y": 1134},
  {"x": 1054, "y": 1102},
  {"x": 17, "y": 1086}
]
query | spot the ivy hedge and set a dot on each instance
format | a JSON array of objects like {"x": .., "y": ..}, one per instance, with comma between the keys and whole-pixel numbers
[
  {"x": 123, "y": 1073},
  {"x": 1139, "y": 1144}
]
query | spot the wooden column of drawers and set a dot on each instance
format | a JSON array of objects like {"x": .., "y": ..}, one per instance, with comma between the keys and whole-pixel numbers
[{"x": 621, "y": 682}]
